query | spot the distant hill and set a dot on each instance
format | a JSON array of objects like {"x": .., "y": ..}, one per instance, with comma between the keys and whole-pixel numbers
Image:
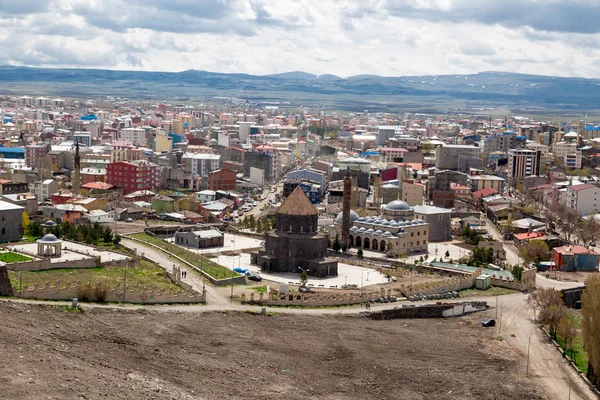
[{"x": 493, "y": 90}]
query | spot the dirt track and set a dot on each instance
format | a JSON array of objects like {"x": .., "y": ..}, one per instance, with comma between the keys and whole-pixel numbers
[{"x": 51, "y": 353}]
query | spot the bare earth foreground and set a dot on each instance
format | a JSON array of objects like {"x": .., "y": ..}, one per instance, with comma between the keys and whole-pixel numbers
[{"x": 51, "y": 353}]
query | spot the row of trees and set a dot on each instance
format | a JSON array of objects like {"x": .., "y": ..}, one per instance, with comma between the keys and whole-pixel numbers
[
  {"x": 590, "y": 304},
  {"x": 470, "y": 236},
  {"x": 573, "y": 228},
  {"x": 480, "y": 256},
  {"x": 553, "y": 313},
  {"x": 91, "y": 234},
  {"x": 259, "y": 225}
]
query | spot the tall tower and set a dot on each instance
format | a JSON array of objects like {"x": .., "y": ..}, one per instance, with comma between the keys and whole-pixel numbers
[
  {"x": 76, "y": 176},
  {"x": 346, "y": 209}
]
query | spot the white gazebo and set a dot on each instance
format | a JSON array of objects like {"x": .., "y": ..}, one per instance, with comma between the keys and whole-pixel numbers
[{"x": 49, "y": 246}]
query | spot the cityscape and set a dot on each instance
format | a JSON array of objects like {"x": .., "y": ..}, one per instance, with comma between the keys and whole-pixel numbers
[{"x": 398, "y": 233}]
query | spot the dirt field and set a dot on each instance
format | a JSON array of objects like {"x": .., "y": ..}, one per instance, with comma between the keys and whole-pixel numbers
[{"x": 51, "y": 353}]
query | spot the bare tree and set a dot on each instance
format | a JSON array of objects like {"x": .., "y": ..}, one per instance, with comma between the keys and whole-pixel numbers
[
  {"x": 590, "y": 304},
  {"x": 567, "y": 221},
  {"x": 588, "y": 231},
  {"x": 552, "y": 309},
  {"x": 534, "y": 251}
]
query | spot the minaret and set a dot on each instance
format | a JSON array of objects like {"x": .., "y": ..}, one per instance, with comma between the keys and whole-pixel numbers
[
  {"x": 346, "y": 209},
  {"x": 76, "y": 177}
]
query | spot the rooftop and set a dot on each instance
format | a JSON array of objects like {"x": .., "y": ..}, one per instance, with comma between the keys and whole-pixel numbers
[{"x": 297, "y": 204}]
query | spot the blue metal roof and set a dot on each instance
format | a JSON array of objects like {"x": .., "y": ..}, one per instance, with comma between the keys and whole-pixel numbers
[{"x": 13, "y": 150}]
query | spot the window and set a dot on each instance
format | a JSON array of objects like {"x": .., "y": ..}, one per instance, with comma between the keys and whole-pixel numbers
[{"x": 412, "y": 234}]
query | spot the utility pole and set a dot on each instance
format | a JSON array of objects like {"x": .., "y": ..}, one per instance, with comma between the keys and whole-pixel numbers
[
  {"x": 125, "y": 283},
  {"x": 528, "y": 349}
]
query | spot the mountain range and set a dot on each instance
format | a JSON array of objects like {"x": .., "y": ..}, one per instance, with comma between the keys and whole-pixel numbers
[{"x": 485, "y": 91}]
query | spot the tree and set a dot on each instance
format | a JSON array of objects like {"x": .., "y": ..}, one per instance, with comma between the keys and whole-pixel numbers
[
  {"x": 552, "y": 309},
  {"x": 116, "y": 240},
  {"x": 36, "y": 229},
  {"x": 588, "y": 230},
  {"x": 517, "y": 272},
  {"x": 25, "y": 221},
  {"x": 336, "y": 244},
  {"x": 534, "y": 251},
  {"x": 447, "y": 253},
  {"x": 303, "y": 277},
  {"x": 359, "y": 253},
  {"x": 567, "y": 221},
  {"x": 590, "y": 311},
  {"x": 567, "y": 331}
]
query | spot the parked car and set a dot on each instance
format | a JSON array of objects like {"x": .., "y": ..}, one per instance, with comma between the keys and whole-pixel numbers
[
  {"x": 128, "y": 220},
  {"x": 255, "y": 278},
  {"x": 488, "y": 323}
]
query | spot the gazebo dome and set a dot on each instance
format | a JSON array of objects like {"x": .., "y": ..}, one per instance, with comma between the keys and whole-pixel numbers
[
  {"x": 397, "y": 205},
  {"x": 48, "y": 238},
  {"x": 353, "y": 217},
  {"x": 50, "y": 223}
]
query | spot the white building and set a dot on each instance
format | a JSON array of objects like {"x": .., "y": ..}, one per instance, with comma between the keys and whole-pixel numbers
[
  {"x": 561, "y": 149},
  {"x": 583, "y": 199},
  {"x": 136, "y": 136},
  {"x": 355, "y": 164},
  {"x": 43, "y": 189},
  {"x": 200, "y": 164},
  {"x": 205, "y": 196}
]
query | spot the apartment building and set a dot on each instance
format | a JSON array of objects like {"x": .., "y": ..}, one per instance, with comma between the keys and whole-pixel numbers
[
  {"x": 561, "y": 149},
  {"x": 136, "y": 136},
  {"x": 522, "y": 163},
  {"x": 200, "y": 164},
  {"x": 133, "y": 176},
  {"x": 573, "y": 160},
  {"x": 448, "y": 156},
  {"x": 413, "y": 192},
  {"x": 584, "y": 199}
]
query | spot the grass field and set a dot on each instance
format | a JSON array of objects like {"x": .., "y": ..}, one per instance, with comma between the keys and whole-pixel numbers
[
  {"x": 10, "y": 257},
  {"x": 492, "y": 291},
  {"x": 213, "y": 269},
  {"x": 146, "y": 274},
  {"x": 578, "y": 354}
]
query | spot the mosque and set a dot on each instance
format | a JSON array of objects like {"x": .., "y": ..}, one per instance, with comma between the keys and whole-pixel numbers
[{"x": 395, "y": 230}]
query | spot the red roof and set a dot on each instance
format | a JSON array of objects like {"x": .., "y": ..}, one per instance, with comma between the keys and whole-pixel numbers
[
  {"x": 97, "y": 185},
  {"x": 485, "y": 192},
  {"x": 573, "y": 249},
  {"x": 582, "y": 186},
  {"x": 529, "y": 235}
]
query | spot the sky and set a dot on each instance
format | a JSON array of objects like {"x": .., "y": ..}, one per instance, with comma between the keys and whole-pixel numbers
[{"x": 340, "y": 37}]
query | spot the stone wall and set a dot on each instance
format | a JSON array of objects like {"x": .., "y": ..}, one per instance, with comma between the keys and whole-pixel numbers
[
  {"x": 135, "y": 294},
  {"x": 5, "y": 287},
  {"x": 443, "y": 310},
  {"x": 45, "y": 264},
  {"x": 313, "y": 299},
  {"x": 438, "y": 287}
]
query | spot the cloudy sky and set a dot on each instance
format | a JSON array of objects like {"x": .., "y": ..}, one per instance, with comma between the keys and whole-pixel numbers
[{"x": 341, "y": 37}]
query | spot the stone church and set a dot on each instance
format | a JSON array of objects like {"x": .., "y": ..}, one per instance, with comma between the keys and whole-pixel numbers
[{"x": 296, "y": 244}]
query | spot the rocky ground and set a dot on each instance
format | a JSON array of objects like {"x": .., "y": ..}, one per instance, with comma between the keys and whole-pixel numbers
[{"x": 55, "y": 353}]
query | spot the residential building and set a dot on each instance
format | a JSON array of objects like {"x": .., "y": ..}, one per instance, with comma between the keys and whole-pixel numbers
[
  {"x": 206, "y": 196},
  {"x": 573, "y": 160},
  {"x": 584, "y": 199},
  {"x": 413, "y": 192},
  {"x": 222, "y": 179},
  {"x": 136, "y": 136},
  {"x": 448, "y": 156},
  {"x": 561, "y": 149},
  {"x": 478, "y": 182},
  {"x": 523, "y": 163},
  {"x": 392, "y": 154},
  {"x": 43, "y": 190},
  {"x": 355, "y": 164},
  {"x": 35, "y": 153},
  {"x": 133, "y": 176},
  {"x": 199, "y": 164}
]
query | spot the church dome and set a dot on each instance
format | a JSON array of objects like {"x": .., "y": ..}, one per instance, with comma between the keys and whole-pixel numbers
[
  {"x": 353, "y": 217},
  {"x": 397, "y": 205}
]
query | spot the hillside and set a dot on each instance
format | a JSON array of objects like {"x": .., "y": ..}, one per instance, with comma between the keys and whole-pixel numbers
[{"x": 376, "y": 93}]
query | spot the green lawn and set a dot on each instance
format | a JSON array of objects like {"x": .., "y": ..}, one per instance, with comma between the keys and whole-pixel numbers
[
  {"x": 10, "y": 257},
  {"x": 578, "y": 354},
  {"x": 492, "y": 291},
  {"x": 146, "y": 274},
  {"x": 211, "y": 268}
]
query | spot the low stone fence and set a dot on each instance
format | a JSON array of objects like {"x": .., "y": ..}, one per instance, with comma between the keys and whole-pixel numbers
[
  {"x": 443, "y": 310},
  {"x": 439, "y": 287},
  {"x": 314, "y": 299},
  {"x": 97, "y": 292},
  {"x": 42, "y": 264},
  {"x": 237, "y": 280}
]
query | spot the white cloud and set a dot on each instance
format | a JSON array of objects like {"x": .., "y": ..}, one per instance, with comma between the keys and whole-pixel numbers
[{"x": 341, "y": 37}]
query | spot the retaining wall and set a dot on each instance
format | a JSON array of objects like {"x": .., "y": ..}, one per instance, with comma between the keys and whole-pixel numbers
[
  {"x": 143, "y": 295},
  {"x": 443, "y": 310},
  {"x": 313, "y": 299}
]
